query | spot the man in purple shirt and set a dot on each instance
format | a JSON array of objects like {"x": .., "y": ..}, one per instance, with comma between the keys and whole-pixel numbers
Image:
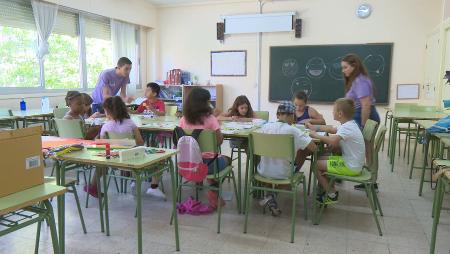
[{"x": 110, "y": 82}]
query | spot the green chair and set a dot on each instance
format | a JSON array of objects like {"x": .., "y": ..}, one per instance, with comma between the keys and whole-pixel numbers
[
  {"x": 69, "y": 128},
  {"x": 366, "y": 178},
  {"x": 171, "y": 110},
  {"x": 369, "y": 132},
  {"x": 208, "y": 143},
  {"x": 59, "y": 113},
  {"x": 443, "y": 187},
  {"x": 9, "y": 123},
  {"x": 262, "y": 115},
  {"x": 276, "y": 146},
  {"x": 387, "y": 116},
  {"x": 408, "y": 130}
]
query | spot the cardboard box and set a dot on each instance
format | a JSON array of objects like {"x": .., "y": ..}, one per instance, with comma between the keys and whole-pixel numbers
[{"x": 21, "y": 160}]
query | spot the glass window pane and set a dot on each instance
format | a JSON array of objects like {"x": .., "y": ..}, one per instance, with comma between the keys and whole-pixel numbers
[
  {"x": 20, "y": 67},
  {"x": 62, "y": 64}
]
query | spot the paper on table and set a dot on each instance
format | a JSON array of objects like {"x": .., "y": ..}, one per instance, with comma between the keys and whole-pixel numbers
[{"x": 238, "y": 125}]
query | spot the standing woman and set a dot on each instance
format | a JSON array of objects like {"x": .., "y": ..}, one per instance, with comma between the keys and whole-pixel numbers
[{"x": 359, "y": 88}]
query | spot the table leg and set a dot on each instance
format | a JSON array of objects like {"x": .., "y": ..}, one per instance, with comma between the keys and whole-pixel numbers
[
  {"x": 60, "y": 180},
  {"x": 139, "y": 210},
  {"x": 105, "y": 191},
  {"x": 437, "y": 204},
  {"x": 414, "y": 153},
  {"x": 425, "y": 163},
  {"x": 314, "y": 168},
  {"x": 174, "y": 204},
  {"x": 239, "y": 175},
  {"x": 390, "y": 136},
  {"x": 394, "y": 142},
  {"x": 100, "y": 203}
]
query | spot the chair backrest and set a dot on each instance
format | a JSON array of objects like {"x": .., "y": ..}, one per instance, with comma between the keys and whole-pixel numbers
[
  {"x": 69, "y": 128},
  {"x": 373, "y": 167},
  {"x": 262, "y": 115},
  {"x": 207, "y": 140},
  {"x": 272, "y": 145},
  {"x": 59, "y": 113},
  {"x": 116, "y": 135},
  {"x": 369, "y": 131},
  {"x": 171, "y": 110},
  {"x": 5, "y": 112}
]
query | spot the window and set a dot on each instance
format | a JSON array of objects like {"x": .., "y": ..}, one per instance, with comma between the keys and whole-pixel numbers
[
  {"x": 62, "y": 64},
  {"x": 18, "y": 42},
  {"x": 98, "y": 47}
]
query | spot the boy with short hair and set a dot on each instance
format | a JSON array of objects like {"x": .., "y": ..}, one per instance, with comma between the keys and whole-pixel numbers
[
  {"x": 280, "y": 168},
  {"x": 152, "y": 103},
  {"x": 349, "y": 139}
]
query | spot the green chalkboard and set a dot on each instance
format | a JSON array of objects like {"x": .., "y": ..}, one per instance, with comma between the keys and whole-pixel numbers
[{"x": 317, "y": 70}]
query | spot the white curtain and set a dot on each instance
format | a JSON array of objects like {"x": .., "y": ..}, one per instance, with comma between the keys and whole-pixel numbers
[
  {"x": 44, "y": 17},
  {"x": 124, "y": 45}
]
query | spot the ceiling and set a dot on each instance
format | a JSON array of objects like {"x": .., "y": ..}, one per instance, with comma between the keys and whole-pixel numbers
[{"x": 189, "y": 2}]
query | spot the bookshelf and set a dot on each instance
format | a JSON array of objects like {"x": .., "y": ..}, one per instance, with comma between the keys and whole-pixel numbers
[{"x": 178, "y": 93}]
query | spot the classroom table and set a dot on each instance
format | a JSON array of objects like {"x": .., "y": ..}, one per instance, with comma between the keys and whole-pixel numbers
[
  {"x": 443, "y": 186},
  {"x": 422, "y": 125},
  {"x": 14, "y": 205},
  {"x": 11, "y": 120},
  {"x": 30, "y": 115},
  {"x": 407, "y": 116},
  {"x": 138, "y": 166}
]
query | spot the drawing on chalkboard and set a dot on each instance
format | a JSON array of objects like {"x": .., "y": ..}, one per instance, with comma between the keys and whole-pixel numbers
[
  {"x": 316, "y": 67},
  {"x": 374, "y": 64},
  {"x": 335, "y": 69},
  {"x": 301, "y": 84},
  {"x": 289, "y": 67}
]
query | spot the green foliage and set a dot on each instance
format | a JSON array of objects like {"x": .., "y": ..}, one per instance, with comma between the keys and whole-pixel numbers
[{"x": 20, "y": 67}]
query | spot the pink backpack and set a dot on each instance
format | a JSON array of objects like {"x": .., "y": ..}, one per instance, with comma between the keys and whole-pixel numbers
[{"x": 189, "y": 160}]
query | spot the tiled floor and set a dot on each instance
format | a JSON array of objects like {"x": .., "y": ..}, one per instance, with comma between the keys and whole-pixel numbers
[{"x": 347, "y": 227}]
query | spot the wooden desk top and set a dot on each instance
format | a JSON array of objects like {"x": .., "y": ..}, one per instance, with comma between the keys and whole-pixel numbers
[
  {"x": 425, "y": 123},
  {"x": 29, "y": 197},
  {"x": 90, "y": 157},
  {"x": 416, "y": 115}
]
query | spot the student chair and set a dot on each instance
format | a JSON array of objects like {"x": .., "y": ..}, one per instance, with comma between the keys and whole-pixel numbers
[
  {"x": 7, "y": 124},
  {"x": 408, "y": 131},
  {"x": 387, "y": 116},
  {"x": 262, "y": 115},
  {"x": 366, "y": 178},
  {"x": 275, "y": 146},
  {"x": 171, "y": 110},
  {"x": 59, "y": 113},
  {"x": 208, "y": 143}
]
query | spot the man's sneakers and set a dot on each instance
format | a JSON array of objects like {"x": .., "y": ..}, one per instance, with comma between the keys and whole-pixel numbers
[
  {"x": 156, "y": 192},
  {"x": 329, "y": 199},
  {"x": 360, "y": 187},
  {"x": 269, "y": 202}
]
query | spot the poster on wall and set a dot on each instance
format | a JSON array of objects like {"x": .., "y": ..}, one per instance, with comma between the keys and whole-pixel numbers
[{"x": 231, "y": 63}]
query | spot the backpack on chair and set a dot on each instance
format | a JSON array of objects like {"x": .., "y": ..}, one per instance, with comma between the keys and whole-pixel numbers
[{"x": 190, "y": 162}]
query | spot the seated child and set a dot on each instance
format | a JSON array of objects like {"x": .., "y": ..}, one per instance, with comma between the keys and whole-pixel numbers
[
  {"x": 240, "y": 111},
  {"x": 306, "y": 114},
  {"x": 118, "y": 121},
  {"x": 152, "y": 104},
  {"x": 349, "y": 139},
  {"x": 75, "y": 102},
  {"x": 198, "y": 114},
  {"x": 87, "y": 109},
  {"x": 280, "y": 168}
]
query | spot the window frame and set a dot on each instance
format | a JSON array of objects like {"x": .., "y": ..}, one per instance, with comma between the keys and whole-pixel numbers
[{"x": 82, "y": 59}]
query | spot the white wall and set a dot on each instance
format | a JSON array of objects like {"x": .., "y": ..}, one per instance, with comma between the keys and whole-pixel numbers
[{"x": 188, "y": 34}]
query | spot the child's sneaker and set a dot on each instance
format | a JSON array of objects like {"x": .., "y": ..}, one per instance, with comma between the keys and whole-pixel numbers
[
  {"x": 269, "y": 202},
  {"x": 156, "y": 193},
  {"x": 329, "y": 199},
  {"x": 213, "y": 199}
]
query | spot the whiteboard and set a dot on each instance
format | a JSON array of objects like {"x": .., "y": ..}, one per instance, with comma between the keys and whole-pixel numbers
[
  {"x": 229, "y": 63},
  {"x": 408, "y": 91}
]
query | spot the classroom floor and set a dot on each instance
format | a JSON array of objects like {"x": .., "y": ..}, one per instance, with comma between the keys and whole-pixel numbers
[{"x": 347, "y": 227}]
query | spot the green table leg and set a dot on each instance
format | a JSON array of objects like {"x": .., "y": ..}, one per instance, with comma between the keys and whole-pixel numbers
[
  {"x": 314, "y": 167},
  {"x": 51, "y": 222},
  {"x": 394, "y": 142},
  {"x": 60, "y": 180},
  {"x": 174, "y": 203},
  {"x": 239, "y": 175},
  {"x": 439, "y": 195},
  {"x": 390, "y": 136},
  {"x": 105, "y": 191},
  {"x": 139, "y": 210},
  {"x": 425, "y": 163},
  {"x": 100, "y": 203},
  {"x": 414, "y": 153}
]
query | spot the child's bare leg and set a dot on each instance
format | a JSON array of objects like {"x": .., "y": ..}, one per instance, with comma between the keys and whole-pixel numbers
[
  {"x": 98, "y": 173},
  {"x": 301, "y": 157},
  {"x": 323, "y": 180}
]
